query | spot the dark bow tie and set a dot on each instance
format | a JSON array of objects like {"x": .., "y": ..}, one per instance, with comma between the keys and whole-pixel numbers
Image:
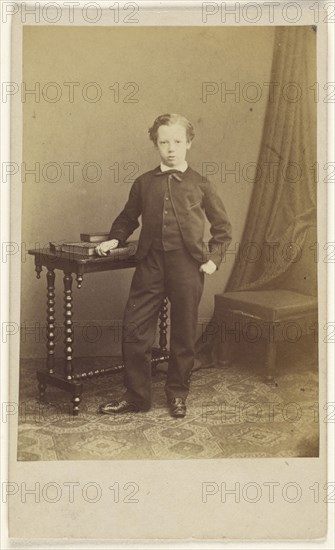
[{"x": 175, "y": 173}]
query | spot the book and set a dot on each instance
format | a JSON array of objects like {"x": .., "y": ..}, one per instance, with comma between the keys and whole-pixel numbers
[
  {"x": 97, "y": 237},
  {"x": 79, "y": 248},
  {"x": 55, "y": 247},
  {"x": 87, "y": 250}
]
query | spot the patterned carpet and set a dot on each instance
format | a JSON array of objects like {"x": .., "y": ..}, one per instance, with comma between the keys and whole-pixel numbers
[{"x": 231, "y": 413}]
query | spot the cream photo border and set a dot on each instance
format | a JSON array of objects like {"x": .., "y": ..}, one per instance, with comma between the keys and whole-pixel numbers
[{"x": 170, "y": 507}]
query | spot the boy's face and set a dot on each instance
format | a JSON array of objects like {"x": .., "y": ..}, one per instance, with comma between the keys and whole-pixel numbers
[{"x": 172, "y": 144}]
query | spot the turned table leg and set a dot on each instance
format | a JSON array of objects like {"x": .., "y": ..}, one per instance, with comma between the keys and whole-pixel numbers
[
  {"x": 163, "y": 317},
  {"x": 41, "y": 390},
  {"x": 50, "y": 321},
  {"x": 76, "y": 399},
  {"x": 68, "y": 325},
  {"x": 50, "y": 362}
]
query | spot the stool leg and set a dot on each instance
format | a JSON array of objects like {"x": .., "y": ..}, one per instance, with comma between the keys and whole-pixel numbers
[
  {"x": 225, "y": 354},
  {"x": 270, "y": 361},
  {"x": 225, "y": 344}
]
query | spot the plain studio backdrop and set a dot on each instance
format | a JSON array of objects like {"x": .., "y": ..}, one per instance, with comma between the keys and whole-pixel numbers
[{"x": 139, "y": 74}]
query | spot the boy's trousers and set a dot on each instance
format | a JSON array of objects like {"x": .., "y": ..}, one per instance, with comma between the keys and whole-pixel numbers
[{"x": 174, "y": 274}]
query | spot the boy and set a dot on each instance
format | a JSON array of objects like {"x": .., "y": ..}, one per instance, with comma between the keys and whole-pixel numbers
[{"x": 172, "y": 261}]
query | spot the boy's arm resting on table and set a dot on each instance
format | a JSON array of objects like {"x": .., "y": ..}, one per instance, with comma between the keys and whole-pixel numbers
[
  {"x": 126, "y": 222},
  {"x": 103, "y": 248},
  {"x": 124, "y": 225},
  {"x": 220, "y": 229}
]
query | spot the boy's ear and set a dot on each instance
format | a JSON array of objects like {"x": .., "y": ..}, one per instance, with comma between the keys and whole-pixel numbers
[{"x": 188, "y": 145}]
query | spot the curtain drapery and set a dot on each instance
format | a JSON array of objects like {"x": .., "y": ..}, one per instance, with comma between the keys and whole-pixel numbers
[{"x": 283, "y": 202}]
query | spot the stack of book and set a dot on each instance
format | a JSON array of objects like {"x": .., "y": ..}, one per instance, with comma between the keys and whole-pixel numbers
[{"x": 86, "y": 247}]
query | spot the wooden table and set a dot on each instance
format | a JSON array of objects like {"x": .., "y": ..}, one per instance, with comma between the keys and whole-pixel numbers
[{"x": 77, "y": 265}]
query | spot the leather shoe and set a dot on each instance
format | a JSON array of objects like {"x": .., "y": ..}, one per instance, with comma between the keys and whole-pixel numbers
[
  {"x": 119, "y": 407},
  {"x": 177, "y": 407}
]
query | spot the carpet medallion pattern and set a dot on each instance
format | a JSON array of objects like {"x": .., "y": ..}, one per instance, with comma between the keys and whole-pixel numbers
[{"x": 232, "y": 413}]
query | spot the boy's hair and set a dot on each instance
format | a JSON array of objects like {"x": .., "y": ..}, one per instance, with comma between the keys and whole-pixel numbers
[{"x": 167, "y": 120}]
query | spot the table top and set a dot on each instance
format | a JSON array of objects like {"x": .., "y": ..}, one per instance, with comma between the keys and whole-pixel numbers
[{"x": 44, "y": 256}]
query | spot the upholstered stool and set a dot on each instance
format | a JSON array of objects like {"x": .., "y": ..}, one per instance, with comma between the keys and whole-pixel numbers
[{"x": 272, "y": 315}]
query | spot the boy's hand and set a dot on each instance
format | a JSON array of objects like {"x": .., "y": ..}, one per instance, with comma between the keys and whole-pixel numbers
[
  {"x": 103, "y": 248},
  {"x": 209, "y": 267}
]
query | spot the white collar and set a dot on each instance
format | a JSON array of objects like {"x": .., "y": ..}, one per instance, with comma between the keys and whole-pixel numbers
[{"x": 182, "y": 167}]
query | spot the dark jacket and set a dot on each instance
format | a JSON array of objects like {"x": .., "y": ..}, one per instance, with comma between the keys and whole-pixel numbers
[{"x": 192, "y": 198}]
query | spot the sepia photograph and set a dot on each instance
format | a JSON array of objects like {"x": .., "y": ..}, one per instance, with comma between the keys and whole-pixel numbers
[
  {"x": 169, "y": 302},
  {"x": 168, "y": 253}
]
